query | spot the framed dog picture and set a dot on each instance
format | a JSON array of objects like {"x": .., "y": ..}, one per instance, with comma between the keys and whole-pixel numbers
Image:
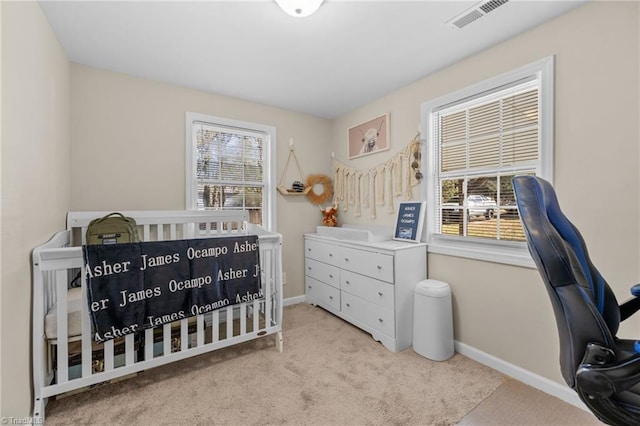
[
  {"x": 369, "y": 137},
  {"x": 409, "y": 221}
]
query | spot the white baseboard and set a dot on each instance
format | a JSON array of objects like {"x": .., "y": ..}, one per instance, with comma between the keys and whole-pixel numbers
[
  {"x": 543, "y": 384},
  {"x": 294, "y": 300}
]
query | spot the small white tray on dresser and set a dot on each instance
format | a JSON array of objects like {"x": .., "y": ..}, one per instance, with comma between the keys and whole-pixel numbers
[{"x": 356, "y": 233}]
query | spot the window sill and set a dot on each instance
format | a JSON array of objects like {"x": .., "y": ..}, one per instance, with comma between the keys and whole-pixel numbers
[{"x": 516, "y": 256}]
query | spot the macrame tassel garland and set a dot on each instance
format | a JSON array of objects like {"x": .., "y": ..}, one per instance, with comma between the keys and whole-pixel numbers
[{"x": 378, "y": 185}]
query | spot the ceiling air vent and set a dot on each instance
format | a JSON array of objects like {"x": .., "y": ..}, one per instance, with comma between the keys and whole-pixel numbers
[{"x": 474, "y": 13}]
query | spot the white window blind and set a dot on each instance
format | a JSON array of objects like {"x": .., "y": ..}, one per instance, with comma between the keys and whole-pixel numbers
[
  {"x": 482, "y": 144},
  {"x": 479, "y": 138},
  {"x": 229, "y": 169},
  {"x": 227, "y": 155}
]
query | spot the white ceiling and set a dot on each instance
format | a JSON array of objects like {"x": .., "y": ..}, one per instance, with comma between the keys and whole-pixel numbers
[{"x": 347, "y": 54}]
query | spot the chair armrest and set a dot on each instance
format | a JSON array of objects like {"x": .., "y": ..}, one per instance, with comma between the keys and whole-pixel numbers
[
  {"x": 600, "y": 376},
  {"x": 631, "y": 306}
]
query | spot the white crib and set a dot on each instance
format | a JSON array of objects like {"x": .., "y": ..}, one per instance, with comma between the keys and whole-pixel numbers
[{"x": 66, "y": 358}]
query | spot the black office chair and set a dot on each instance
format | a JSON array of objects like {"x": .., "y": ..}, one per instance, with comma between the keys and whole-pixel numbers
[{"x": 603, "y": 369}]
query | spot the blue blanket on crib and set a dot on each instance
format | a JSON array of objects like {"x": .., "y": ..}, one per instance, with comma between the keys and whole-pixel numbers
[{"x": 134, "y": 286}]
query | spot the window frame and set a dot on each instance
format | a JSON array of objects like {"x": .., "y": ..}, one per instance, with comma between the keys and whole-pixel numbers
[
  {"x": 269, "y": 152},
  {"x": 507, "y": 252}
]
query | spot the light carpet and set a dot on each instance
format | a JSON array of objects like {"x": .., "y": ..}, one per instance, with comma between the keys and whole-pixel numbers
[
  {"x": 330, "y": 373},
  {"x": 516, "y": 404}
]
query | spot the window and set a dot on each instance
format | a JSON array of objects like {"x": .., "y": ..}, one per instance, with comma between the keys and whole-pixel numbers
[
  {"x": 228, "y": 167},
  {"x": 478, "y": 139}
]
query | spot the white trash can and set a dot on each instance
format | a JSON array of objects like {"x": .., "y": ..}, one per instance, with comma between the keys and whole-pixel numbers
[{"x": 433, "y": 320}]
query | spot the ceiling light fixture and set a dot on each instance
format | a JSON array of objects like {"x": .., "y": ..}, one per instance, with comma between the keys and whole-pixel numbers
[{"x": 299, "y": 8}]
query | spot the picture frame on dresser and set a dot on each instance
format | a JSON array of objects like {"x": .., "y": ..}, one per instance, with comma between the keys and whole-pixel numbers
[{"x": 409, "y": 221}]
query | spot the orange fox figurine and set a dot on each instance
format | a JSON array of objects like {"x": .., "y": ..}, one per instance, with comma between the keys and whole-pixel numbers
[{"x": 329, "y": 215}]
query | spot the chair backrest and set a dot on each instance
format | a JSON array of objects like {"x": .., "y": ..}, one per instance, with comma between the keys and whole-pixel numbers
[{"x": 585, "y": 308}]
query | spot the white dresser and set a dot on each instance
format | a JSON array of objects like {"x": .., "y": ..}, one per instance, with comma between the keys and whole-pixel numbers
[{"x": 369, "y": 284}]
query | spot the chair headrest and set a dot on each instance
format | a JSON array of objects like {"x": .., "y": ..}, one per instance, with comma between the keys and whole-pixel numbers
[{"x": 554, "y": 242}]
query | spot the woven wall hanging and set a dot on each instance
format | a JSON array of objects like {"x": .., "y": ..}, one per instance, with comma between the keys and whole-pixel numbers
[{"x": 327, "y": 189}]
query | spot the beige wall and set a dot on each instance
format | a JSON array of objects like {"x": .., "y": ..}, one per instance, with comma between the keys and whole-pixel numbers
[
  {"x": 504, "y": 310},
  {"x": 128, "y": 150},
  {"x": 35, "y": 178}
]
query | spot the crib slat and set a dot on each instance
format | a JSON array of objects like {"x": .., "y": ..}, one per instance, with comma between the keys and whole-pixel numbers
[
  {"x": 108, "y": 355},
  {"x": 129, "y": 349},
  {"x": 146, "y": 232},
  {"x": 50, "y": 291},
  {"x": 166, "y": 339},
  {"x": 62, "y": 331},
  {"x": 148, "y": 344},
  {"x": 256, "y": 314},
  {"x": 243, "y": 319},
  {"x": 160, "y": 232},
  {"x": 184, "y": 334},
  {"x": 172, "y": 231},
  {"x": 266, "y": 285},
  {"x": 86, "y": 357},
  {"x": 200, "y": 330},
  {"x": 215, "y": 326},
  {"x": 189, "y": 230},
  {"x": 229, "y": 322}
]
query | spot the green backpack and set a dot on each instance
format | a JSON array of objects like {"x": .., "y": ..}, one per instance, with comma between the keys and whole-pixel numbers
[{"x": 113, "y": 228}]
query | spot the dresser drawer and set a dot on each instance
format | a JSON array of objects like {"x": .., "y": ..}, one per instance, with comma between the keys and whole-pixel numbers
[
  {"x": 324, "y": 272},
  {"x": 374, "y": 265},
  {"x": 371, "y": 315},
  {"x": 327, "y": 253},
  {"x": 375, "y": 291},
  {"x": 324, "y": 294}
]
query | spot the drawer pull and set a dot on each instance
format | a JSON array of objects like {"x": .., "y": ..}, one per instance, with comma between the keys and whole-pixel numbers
[
  {"x": 309, "y": 286},
  {"x": 379, "y": 267},
  {"x": 379, "y": 293},
  {"x": 347, "y": 282},
  {"x": 348, "y": 305},
  {"x": 380, "y": 319},
  {"x": 309, "y": 267},
  {"x": 309, "y": 249},
  {"x": 330, "y": 297},
  {"x": 346, "y": 259},
  {"x": 330, "y": 275},
  {"x": 330, "y": 254}
]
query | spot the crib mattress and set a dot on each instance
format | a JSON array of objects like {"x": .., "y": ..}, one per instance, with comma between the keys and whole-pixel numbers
[{"x": 74, "y": 323}]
